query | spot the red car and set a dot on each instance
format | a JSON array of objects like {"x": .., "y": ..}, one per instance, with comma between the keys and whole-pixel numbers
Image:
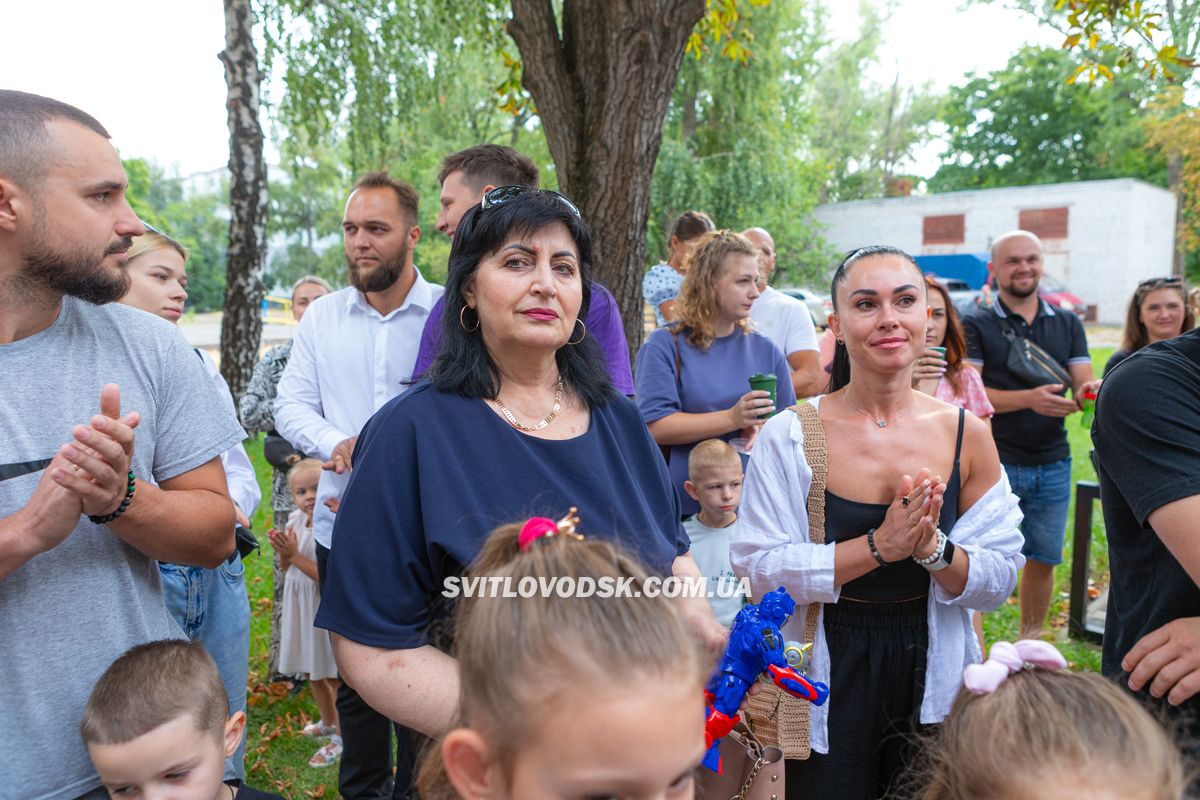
[{"x": 1057, "y": 295}]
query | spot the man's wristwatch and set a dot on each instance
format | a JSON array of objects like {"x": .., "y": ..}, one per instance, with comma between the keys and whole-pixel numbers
[{"x": 942, "y": 555}]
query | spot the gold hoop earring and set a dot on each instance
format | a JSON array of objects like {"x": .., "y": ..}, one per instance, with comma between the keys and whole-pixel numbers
[
  {"x": 463, "y": 324},
  {"x": 582, "y": 336}
]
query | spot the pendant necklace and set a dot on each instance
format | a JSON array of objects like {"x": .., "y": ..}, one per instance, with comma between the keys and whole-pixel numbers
[{"x": 881, "y": 423}]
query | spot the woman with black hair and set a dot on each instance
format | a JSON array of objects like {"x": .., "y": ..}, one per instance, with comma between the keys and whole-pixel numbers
[
  {"x": 516, "y": 419},
  {"x": 889, "y": 555}
]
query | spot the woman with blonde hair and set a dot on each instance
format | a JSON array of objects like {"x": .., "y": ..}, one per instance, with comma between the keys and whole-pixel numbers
[
  {"x": 693, "y": 376},
  {"x": 157, "y": 266}
]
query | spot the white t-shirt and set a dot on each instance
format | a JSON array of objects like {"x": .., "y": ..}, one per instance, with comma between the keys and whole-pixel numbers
[
  {"x": 785, "y": 321},
  {"x": 710, "y": 549}
]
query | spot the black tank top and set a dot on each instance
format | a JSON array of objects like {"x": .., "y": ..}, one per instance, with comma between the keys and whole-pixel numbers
[{"x": 902, "y": 580}]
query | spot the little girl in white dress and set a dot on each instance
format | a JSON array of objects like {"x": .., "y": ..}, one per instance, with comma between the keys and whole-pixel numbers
[{"x": 303, "y": 648}]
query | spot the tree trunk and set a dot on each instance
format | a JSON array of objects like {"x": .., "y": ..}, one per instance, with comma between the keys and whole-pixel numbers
[
  {"x": 602, "y": 89},
  {"x": 1175, "y": 184},
  {"x": 241, "y": 325}
]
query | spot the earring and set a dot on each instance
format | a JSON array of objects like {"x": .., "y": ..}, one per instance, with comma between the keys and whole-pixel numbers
[
  {"x": 582, "y": 336},
  {"x": 464, "y": 324}
]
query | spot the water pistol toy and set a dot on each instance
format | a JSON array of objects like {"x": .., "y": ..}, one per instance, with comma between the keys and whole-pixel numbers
[{"x": 756, "y": 646}]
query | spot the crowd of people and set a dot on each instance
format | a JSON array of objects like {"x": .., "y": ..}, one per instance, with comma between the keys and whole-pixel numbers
[{"x": 496, "y": 428}]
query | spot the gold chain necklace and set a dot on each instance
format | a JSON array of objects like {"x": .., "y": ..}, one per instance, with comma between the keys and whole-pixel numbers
[
  {"x": 558, "y": 392},
  {"x": 882, "y": 423}
]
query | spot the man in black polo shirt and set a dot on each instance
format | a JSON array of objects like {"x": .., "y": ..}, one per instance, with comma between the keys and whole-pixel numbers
[
  {"x": 1147, "y": 437},
  {"x": 1028, "y": 426}
]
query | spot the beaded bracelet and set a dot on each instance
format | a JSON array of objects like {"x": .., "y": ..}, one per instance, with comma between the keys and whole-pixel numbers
[
  {"x": 874, "y": 550},
  {"x": 120, "y": 509}
]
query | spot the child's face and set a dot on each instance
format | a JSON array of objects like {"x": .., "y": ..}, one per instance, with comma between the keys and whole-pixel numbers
[
  {"x": 304, "y": 490},
  {"x": 633, "y": 745},
  {"x": 719, "y": 489},
  {"x": 175, "y": 761}
]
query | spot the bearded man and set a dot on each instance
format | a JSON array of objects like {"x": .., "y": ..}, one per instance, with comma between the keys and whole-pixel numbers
[
  {"x": 354, "y": 351},
  {"x": 84, "y": 514}
]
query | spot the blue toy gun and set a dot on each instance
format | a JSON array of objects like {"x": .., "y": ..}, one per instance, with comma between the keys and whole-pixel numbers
[{"x": 756, "y": 646}]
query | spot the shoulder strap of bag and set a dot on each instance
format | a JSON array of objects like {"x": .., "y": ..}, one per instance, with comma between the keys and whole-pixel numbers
[
  {"x": 1006, "y": 326},
  {"x": 778, "y": 718}
]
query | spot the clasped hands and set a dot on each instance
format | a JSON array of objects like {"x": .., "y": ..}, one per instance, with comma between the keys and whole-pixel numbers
[
  {"x": 88, "y": 475},
  {"x": 910, "y": 527}
]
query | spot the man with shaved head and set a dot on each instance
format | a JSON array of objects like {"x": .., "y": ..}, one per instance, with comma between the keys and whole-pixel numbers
[
  {"x": 785, "y": 321},
  {"x": 1028, "y": 426},
  {"x": 85, "y": 515}
]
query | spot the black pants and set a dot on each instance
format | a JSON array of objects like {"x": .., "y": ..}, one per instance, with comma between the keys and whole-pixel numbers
[
  {"x": 877, "y": 654},
  {"x": 365, "y": 769}
]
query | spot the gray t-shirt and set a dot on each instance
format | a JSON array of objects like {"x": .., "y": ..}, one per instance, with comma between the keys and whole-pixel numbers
[{"x": 66, "y": 614}]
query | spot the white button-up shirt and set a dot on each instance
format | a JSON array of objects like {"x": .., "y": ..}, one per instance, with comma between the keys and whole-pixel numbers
[{"x": 347, "y": 361}]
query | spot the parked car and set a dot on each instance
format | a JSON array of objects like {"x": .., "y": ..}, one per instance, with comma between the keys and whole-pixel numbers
[
  {"x": 964, "y": 298},
  {"x": 819, "y": 304},
  {"x": 1057, "y": 295}
]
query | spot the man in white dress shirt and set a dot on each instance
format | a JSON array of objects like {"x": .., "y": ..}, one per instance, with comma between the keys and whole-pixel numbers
[
  {"x": 354, "y": 351},
  {"x": 785, "y": 321}
]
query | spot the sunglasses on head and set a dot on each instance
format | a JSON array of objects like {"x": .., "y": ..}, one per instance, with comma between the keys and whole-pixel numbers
[
  {"x": 1160, "y": 283},
  {"x": 502, "y": 194}
]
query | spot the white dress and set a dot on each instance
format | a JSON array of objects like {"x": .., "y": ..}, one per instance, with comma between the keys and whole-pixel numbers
[{"x": 303, "y": 648}]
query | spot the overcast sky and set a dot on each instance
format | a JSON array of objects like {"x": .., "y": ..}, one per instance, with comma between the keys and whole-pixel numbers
[{"x": 148, "y": 69}]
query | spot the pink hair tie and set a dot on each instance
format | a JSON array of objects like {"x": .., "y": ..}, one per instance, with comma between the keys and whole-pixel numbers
[
  {"x": 537, "y": 527},
  {"x": 1005, "y": 658}
]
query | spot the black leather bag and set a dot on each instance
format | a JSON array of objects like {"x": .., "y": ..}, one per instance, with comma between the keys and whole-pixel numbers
[
  {"x": 279, "y": 452},
  {"x": 1032, "y": 365}
]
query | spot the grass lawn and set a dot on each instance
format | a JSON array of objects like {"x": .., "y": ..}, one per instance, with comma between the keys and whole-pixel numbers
[{"x": 277, "y": 756}]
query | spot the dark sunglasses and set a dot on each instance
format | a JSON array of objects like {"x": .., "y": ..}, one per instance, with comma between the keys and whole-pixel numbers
[
  {"x": 502, "y": 194},
  {"x": 1170, "y": 281}
]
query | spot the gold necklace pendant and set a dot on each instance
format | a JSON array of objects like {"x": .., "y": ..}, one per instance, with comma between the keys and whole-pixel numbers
[{"x": 546, "y": 420}]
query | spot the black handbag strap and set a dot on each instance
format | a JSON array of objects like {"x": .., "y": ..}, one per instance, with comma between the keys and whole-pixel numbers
[{"x": 1006, "y": 326}]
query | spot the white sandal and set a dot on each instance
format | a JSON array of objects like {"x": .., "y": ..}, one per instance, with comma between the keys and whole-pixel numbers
[{"x": 329, "y": 753}]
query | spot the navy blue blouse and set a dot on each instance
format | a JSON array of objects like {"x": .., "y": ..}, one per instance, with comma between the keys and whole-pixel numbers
[{"x": 435, "y": 473}]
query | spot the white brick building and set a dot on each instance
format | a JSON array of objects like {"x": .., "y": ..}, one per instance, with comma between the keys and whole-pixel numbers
[{"x": 1100, "y": 237}]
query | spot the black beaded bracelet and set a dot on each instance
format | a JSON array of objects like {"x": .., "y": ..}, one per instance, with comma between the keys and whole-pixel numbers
[
  {"x": 874, "y": 550},
  {"x": 120, "y": 509}
]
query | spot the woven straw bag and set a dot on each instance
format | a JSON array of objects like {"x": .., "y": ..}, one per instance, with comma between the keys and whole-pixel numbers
[{"x": 777, "y": 718}]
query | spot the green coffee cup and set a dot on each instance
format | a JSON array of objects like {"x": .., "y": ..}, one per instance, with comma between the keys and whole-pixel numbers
[
  {"x": 941, "y": 351},
  {"x": 764, "y": 382}
]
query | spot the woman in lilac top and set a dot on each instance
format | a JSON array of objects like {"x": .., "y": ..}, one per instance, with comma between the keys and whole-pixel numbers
[{"x": 692, "y": 377}]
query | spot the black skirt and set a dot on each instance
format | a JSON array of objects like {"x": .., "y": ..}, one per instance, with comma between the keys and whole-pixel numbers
[{"x": 877, "y": 654}]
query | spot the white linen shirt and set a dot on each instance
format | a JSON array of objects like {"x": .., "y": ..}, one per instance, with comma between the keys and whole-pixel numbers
[
  {"x": 771, "y": 548},
  {"x": 784, "y": 320},
  {"x": 239, "y": 472},
  {"x": 347, "y": 361}
]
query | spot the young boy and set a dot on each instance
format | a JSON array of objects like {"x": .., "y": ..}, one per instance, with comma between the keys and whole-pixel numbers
[
  {"x": 157, "y": 725},
  {"x": 715, "y": 482}
]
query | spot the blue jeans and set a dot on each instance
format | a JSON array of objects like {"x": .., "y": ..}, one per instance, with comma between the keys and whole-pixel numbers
[
  {"x": 211, "y": 607},
  {"x": 1045, "y": 494}
]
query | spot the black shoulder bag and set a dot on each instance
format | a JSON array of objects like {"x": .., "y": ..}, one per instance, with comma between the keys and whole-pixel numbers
[{"x": 1031, "y": 364}]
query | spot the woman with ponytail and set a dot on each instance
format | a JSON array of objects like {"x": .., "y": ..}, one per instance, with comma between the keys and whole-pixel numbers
[{"x": 915, "y": 526}]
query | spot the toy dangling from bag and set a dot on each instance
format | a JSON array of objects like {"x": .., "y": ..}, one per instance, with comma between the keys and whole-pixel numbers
[{"x": 756, "y": 646}]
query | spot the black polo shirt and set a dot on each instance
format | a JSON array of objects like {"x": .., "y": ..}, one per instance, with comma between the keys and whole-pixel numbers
[
  {"x": 1024, "y": 437},
  {"x": 1147, "y": 437}
]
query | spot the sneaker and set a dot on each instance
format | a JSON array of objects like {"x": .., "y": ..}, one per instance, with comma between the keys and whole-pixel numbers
[
  {"x": 329, "y": 753},
  {"x": 318, "y": 730}
]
